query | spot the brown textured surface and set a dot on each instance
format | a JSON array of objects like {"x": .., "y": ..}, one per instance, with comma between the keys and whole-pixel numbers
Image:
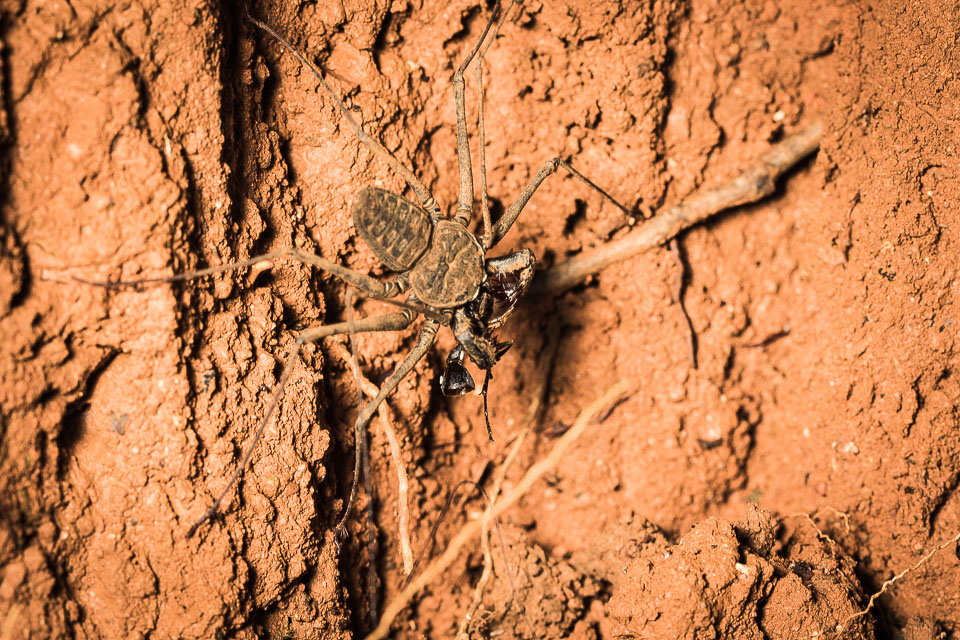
[{"x": 145, "y": 138}]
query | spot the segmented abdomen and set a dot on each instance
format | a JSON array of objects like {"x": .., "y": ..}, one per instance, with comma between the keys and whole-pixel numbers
[{"x": 397, "y": 230}]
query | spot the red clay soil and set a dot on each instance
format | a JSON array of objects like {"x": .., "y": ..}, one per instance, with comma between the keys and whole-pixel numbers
[{"x": 144, "y": 139}]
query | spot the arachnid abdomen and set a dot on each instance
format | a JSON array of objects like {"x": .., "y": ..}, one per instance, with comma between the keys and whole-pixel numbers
[
  {"x": 451, "y": 271},
  {"x": 397, "y": 230}
]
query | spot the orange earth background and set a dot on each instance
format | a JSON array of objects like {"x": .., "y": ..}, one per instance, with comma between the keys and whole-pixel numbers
[{"x": 142, "y": 139}]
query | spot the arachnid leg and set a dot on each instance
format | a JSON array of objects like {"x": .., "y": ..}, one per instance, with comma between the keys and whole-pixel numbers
[
  {"x": 503, "y": 225},
  {"x": 487, "y": 224},
  {"x": 522, "y": 261},
  {"x": 388, "y": 322},
  {"x": 370, "y": 286},
  {"x": 427, "y": 201},
  {"x": 424, "y": 342},
  {"x": 465, "y": 197}
]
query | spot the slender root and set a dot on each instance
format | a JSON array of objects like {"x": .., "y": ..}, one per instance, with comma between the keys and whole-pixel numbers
[
  {"x": 613, "y": 395},
  {"x": 757, "y": 182},
  {"x": 363, "y": 450},
  {"x": 810, "y": 519},
  {"x": 887, "y": 584},
  {"x": 386, "y": 423},
  {"x": 536, "y": 404}
]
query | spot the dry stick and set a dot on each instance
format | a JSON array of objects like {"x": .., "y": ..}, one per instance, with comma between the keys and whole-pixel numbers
[
  {"x": 534, "y": 473},
  {"x": 372, "y": 538},
  {"x": 758, "y": 181},
  {"x": 427, "y": 548},
  {"x": 370, "y": 389},
  {"x": 539, "y": 395},
  {"x": 403, "y": 510},
  {"x": 887, "y": 584}
]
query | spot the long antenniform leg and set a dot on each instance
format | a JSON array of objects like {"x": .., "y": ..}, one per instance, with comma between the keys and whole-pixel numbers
[
  {"x": 427, "y": 201},
  {"x": 370, "y": 286},
  {"x": 424, "y": 342},
  {"x": 389, "y": 322},
  {"x": 487, "y": 235},
  {"x": 503, "y": 225},
  {"x": 490, "y": 237}
]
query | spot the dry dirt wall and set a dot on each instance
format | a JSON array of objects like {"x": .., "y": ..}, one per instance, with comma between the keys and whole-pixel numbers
[{"x": 141, "y": 139}]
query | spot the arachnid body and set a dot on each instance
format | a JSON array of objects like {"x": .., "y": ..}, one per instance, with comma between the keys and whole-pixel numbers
[{"x": 439, "y": 263}]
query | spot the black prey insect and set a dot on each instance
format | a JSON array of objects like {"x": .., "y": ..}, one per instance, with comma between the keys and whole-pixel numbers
[{"x": 439, "y": 264}]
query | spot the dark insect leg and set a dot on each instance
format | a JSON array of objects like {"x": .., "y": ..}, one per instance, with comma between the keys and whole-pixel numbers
[
  {"x": 370, "y": 286},
  {"x": 465, "y": 197},
  {"x": 389, "y": 322},
  {"x": 427, "y": 201},
  {"x": 424, "y": 342},
  {"x": 483, "y": 392},
  {"x": 510, "y": 216}
]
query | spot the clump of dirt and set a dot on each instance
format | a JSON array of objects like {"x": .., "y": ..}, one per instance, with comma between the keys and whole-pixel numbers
[
  {"x": 727, "y": 580},
  {"x": 542, "y": 597}
]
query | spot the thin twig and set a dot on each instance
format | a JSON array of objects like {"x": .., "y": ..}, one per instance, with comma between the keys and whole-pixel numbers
[
  {"x": 534, "y": 473},
  {"x": 756, "y": 182},
  {"x": 403, "y": 510},
  {"x": 536, "y": 404},
  {"x": 373, "y": 598},
  {"x": 887, "y": 584}
]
